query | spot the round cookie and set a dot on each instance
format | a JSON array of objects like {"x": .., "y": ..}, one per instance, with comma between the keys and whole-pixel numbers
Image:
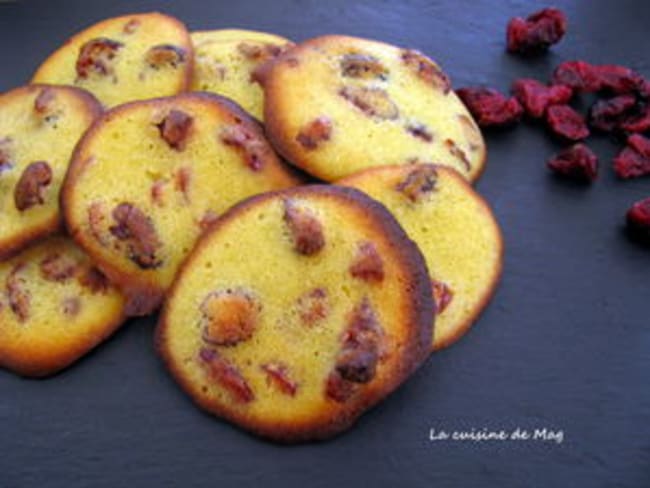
[
  {"x": 455, "y": 230},
  {"x": 55, "y": 306},
  {"x": 148, "y": 177},
  {"x": 226, "y": 60},
  {"x": 39, "y": 127},
  {"x": 132, "y": 57},
  {"x": 335, "y": 105},
  {"x": 297, "y": 312}
]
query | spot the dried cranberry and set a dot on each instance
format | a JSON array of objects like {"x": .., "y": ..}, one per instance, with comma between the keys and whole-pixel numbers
[
  {"x": 489, "y": 107},
  {"x": 31, "y": 185},
  {"x": 306, "y": 230},
  {"x": 607, "y": 115},
  {"x": 566, "y": 122},
  {"x": 578, "y": 162},
  {"x": 634, "y": 160},
  {"x": 535, "y": 97},
  {"x": 537, "y": 32},
  {"x": 639, "y": 122},
  {"x": 619, "y": 79},
  {"x": 578, "y": 75},
  {"x": 638, "y": 220}
]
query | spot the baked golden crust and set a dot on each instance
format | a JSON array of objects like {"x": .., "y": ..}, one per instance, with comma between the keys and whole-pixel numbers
[
  {"x": 131, "y": 57},
  {"x": 39, "y": 127},
  {"x": 335, "y": 105},
  {"x": 225, "y": 61},
  {"x": 138, "y": 206},
  {"x": 455, "y": 230},
  {"x": 297, "y": 403},
  {"x": 54, "y": 308}
]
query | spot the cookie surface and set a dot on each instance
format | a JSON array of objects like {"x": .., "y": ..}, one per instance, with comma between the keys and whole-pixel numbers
[
  {"x": 455, "y": 230},
  {"x": 148, "y": 177},
  {"x": 55, "y": 306},
  {"x": 297, "y": 312},
  {"x": 132, "y": 57},
  {"x": 335, "y": 105},
  {"x": 226, "y": 59},
  {"x": 39, "y": 127}
]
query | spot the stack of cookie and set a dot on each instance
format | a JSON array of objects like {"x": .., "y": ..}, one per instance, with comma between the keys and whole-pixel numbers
[{"x": 300, "y": 264}]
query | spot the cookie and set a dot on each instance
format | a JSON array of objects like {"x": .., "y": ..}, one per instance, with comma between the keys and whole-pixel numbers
[
  {"x": 55, "y": 306},
  {"x": 126, "y": 58},
  {"x": 225, "y": 61},
  {"x": 148, "y": 177},
  {"x": 297, "y": 312},
  {"x": 455, "y": 230},
  {"x": 39, "y": 127},
  {"x": 335, "y": 105}
]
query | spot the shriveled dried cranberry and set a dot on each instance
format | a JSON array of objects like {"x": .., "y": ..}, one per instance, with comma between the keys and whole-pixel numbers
[
  {"x": 420, "y": 131},
  {"x": 578, "y": 75},
  {"x": 305, "y": 228},
  {"x": 183, "y": 181},
  {"x": 278, "y": 375},
  {"x": 418, "y": 183},
  {"x": 227, "y": 375},
  {"x": 29, "y": 189},
  {"x": 442, "y": 295},
  {"x": 638, "y": 220},
  {"x": 426, "y": 69},
  {"x": 489, "y": 107},
  {"x": 19, "y": 298},
  {"x": 578, "y": 162},
  {"x": 58, "y": 267},
  {"x": 375, "y": 102},
  {"x": 537, "y": 32},
  {"x": 313, "y": 306},
  {"x": 364, "y": 66},
  {"x": 315, "y": 132},
  {"x": 242, "y": 138},
  {"x": 259, "y": 53},
  {"x": 357, "y": 361},
  {"x": 566, "y": 122},
  {"x": 367, "y": 264},
  {"x": 456, "y": 151},
  {"x": 535, "y": 96},
  {"x": 639, "y": 122},
  {"x": 229, "y": 317},
  {"x": 134, "y": 227},
  {"x": 94, "y": 280},
  {"x": 175, "y": 128},
  {"x": 96, "y": 55},
  {"x": 607, "y": 115},
  {"x": 618, "y": 80},
  {"x": 165, "y": 55},
  {"x": 43, "y": 102},
  {"x": 634, "y": 160}
]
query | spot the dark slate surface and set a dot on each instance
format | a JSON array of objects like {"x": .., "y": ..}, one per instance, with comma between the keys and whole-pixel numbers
[{"x": 565, "y": 344}]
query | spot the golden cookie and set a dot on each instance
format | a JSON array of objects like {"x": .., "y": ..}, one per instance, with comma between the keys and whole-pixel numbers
[
  {"x": 297, "y": 312},
  {"x": 455, "y": 230},
  {"x": 148, "y": 177}
]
